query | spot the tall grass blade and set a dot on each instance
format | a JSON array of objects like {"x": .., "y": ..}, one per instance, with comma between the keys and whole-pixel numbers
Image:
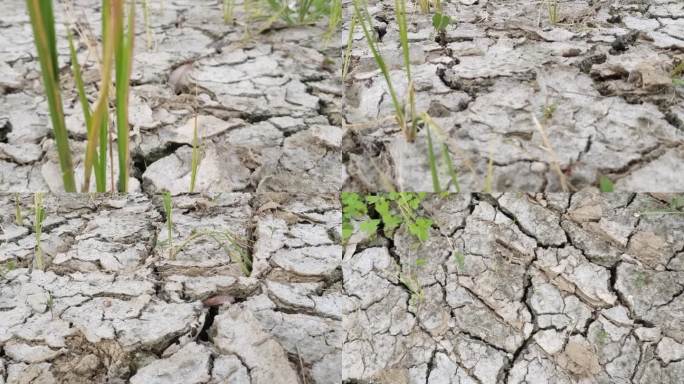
[
  {"x": 114, "y": 9},
  {"x": 450, "y": 167},
  {"x": 100, "y": 177},
  {"x": 124, "y": 58},
  {"x": 433, "y": 162},
  {"x": 348, "y": 49},
  {"x": 43, "y": 24},
  {"x": 39, "y": 216}
]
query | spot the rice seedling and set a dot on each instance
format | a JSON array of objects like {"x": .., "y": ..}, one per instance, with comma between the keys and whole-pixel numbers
[
  {"x": 552, "y": 9},
  {"x": 43, "y": 24},
  {"x": 39, "y": 216},
  {"x": 168, "y": 211},
  {"x": 228, "y": 11},
  {"x": 334, "y": 18},
  {"x": 117, "y": 46},
  {"x": 196, "y": 149}
]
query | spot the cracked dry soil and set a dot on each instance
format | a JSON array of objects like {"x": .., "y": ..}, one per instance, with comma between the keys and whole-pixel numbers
[
  {"x": 518, "y": 288},
  {"x": 113, "y": 307},
  {"x": 599, "y": 81},
  {"x": 268, "y": 104}
]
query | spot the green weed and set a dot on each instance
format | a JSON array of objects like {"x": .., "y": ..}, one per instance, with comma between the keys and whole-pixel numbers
[
  {"x": 228, "y": 11},
  {"x": 392, "y": 209}
]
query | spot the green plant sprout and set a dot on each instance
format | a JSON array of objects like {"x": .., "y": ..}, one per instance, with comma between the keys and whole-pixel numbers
[
  {"x": 431, "y": 125},
  {"x": 117, "y": 47},
  {"x": 440, "y": 20},
  {"x": 168, "y": 211},
  {"x": 146, "y": 19},
  {"x": 228, "y": 11},
  {"x": 606, "y": 184},
  {"x": 39, "y": 216},
  {"x": 196, "y": 149},
  {"x": 552, "y": 8},
  {"x": 334, "y": 18}
]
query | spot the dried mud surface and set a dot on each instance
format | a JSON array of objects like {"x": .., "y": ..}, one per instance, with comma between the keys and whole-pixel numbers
[
  {"x": 113, "y": 306},
  {"x": 599, "y": 81},
  {"x": 521, "y": 288},
  {"x": 267, "y": 105}
]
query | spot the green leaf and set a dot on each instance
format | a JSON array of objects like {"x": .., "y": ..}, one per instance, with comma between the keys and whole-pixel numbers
[
  {"x": 420, "y": 262},
  {"x": 352, "y": 205},
  {"x": 605, "y": 184},
  {"x": 420, "y": 228},
  {"x": 370, "y": 226},
  {"x": 440, "y": 21},
  {"x": 459, "y": 258}
]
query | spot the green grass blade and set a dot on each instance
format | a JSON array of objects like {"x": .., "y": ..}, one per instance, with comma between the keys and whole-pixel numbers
[
  {"x": 400, "y": 10},
  {"x": 433, "y": 161},
  {"x": 99, "y": 116},
  {"x": 100, "y": 178},
  {"x": 42, "y": 22},
  {"x": 450, "y": 167},
  {"x": 124, "y": 58},
  {"x": 347, "y": 51},
  {"x": 195, "y": 156}
]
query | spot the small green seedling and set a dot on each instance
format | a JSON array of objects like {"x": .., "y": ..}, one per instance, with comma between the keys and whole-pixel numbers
[
  {"x": 228, "y": 11},
  {"x": 168, "y": 211},
  {"x": 414, "y": 287},
  {"x": 553, "y": 7},
  {"x": 606, "y": 184},
  {"x": 39, "y": 217}
]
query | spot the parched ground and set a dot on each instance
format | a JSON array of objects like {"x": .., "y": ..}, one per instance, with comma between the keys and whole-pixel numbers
[
  {"x": 600, "y": 82},
  {"x": 267, "y": 102},
  {"x": 521, "y": 288},
  {"x": 113, "y": 306}
]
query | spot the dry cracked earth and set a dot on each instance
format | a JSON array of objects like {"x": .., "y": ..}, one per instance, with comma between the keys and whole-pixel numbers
[
  {"x": 518, "y": 288},
  {"x": 599, "y": 81},
  {"x": 268, "y": 107},
  {"x": 113, "y": 306}
]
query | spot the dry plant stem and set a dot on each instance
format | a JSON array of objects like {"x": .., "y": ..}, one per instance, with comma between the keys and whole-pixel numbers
[
  {"x": 43, "y": 23},
  {"x": 115, "y": 8},
  {"x": 554, "y": 158}
]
